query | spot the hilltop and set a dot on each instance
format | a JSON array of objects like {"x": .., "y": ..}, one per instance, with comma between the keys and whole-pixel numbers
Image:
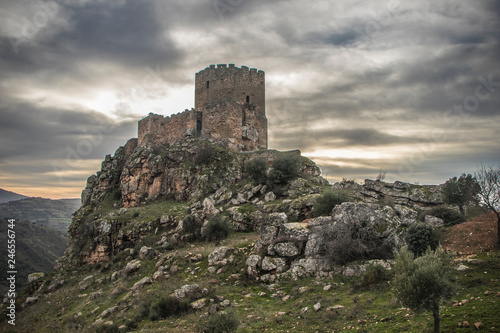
[
  {"x": 6, "y": 196},
  {"x": 144, "y": 255}
]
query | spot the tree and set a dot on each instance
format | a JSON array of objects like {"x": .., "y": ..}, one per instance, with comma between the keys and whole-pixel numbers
[
  {"x": 461, "y": 191},
  {"x": 423, "y": 283},
  {"x": 488, "y": 179}
]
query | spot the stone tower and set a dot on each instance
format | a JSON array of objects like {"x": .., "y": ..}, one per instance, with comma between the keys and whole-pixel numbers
[
  {"x": 229, "y": 106},
  {"x": 233, "y": 101}
]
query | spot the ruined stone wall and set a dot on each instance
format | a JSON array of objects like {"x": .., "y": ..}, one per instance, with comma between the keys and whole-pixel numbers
[{"x": 156, "y": 129}]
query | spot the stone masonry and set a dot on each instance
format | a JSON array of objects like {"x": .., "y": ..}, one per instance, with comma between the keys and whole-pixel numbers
[{"x": 229, "y": 105}]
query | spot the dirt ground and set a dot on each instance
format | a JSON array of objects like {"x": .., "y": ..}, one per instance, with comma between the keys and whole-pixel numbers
[{"x": 474, "y": 236}]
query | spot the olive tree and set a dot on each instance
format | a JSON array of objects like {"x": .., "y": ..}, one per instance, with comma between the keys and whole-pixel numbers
[
  {"x": 488, "y": 179},
  {"x": 461, "y": 191},
  {"x": 423, "y": 283}
]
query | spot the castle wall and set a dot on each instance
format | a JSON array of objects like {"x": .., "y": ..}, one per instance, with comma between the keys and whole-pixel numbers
[
  {"x": 229, "y": 104},
  {"x": 213, "y": 85},
  {"x": 156, "y": 129}
]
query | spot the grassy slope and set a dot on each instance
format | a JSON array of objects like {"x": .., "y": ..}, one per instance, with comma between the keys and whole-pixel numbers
[
  {"x": 37, "y": 249},
  {"x": 372, "y": 309},
  {"x": 68, "y": 307}
]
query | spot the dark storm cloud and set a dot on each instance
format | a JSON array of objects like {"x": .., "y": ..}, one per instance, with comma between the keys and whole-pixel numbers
[
  {"x": 30, "y": 131},
  {"x": 342, "y": 138},
  {"x": 375, "y": 74},
  {"x": 342, "y": 39}
]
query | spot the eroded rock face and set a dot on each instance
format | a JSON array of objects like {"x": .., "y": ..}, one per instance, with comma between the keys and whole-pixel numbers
[
  {"x": 302, "y": 249},
  {"x": 186, "y": 170},
  {"x": 400, "y": 193}
]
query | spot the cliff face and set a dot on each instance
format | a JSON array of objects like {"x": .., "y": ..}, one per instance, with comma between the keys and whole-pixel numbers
[
  {"x": 184, "y": 171},
  {"x": 197, "y": 177}
]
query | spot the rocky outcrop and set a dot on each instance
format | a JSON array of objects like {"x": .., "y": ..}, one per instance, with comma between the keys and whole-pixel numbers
[
  {"x": 188, "y": 170},
  {"x": 294, "y": 250},
  {"x": 398, "y": 193}
]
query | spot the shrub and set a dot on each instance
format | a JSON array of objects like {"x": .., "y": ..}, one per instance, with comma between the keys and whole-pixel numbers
[
  {"x": 421, "y": 236},
  {"x": 325, "y": 203},
  {"x": 346, "y": 242},
  {"x": 449, "y": 216},
  {"x": 257, "y": 170},
  {"x": 220, "y": 322},
  {"x": 190, "y": 225},
  {"x": 284, "y": 168},
  {"x": 374, "y": 274},
  {"x": 218, "y": 228},
  {"x": 166, "y": 307}
]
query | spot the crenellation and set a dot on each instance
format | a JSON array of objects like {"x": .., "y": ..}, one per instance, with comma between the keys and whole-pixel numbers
[{"x": 229, "y": 104}]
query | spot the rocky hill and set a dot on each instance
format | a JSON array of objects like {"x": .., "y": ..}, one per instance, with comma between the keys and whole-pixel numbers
[{"x": 142, "y": 253}]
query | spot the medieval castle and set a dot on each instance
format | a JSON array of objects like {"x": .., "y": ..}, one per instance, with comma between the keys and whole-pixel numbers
[{"x": 229, "y": 106}]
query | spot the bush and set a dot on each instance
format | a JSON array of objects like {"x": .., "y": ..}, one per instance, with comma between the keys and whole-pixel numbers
[
  {"x": 347, "y": 242},
  {"x": 166, "y": 307},
  {"x": 257, "y": 170},
  {"x": 374, "y": 274},
  {"x": 218, "y": 228},
  {"x": 284, "y": 168},
  {"x": 325, "y": 203},
  {"x": 449, "y": 216},
  {"x": 190, "y": 225},
  {"x": 419, "y": 237},
  {"x": 220, "y": 322}
]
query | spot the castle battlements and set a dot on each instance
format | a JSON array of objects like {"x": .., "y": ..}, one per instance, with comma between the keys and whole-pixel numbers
[{"x": 229, "y": 104}]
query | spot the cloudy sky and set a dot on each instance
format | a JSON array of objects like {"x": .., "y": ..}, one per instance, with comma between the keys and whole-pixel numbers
[{"x": 412, "y": 88}]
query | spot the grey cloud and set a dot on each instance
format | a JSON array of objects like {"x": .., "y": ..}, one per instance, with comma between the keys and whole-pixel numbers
[{"x": 34, "y": 132}]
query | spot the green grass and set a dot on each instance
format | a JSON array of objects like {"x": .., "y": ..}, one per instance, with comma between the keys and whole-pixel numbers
[{"x": 368, "y": 309}]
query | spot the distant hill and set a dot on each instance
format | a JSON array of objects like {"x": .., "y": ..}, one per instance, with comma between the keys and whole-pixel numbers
[
  {"x": 55, "y": 214},
  {"x": 6, "y": 196},
  {"x": 37, "y": 249}
]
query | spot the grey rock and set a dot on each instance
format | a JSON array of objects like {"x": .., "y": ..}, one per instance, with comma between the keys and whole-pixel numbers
[
  {"x": 286, "y": 249},
  {"x": 144, "y": 252},
  {"x": 141, "y": 283},
  {"x": 218, "y": 255},
  {"x": 35, "y": 276},
  {"x": 270, "y": 196},
  {"x": 109, "y": 311},
  {"x": 31, "y": 300},
  {"x": 317, "y": 307},
  {"x": 132, "y": 266},
  {"x": 434, "y": 221},
  {"x": 192, "y": 291},
  {"x": 268, "y": 264}
]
